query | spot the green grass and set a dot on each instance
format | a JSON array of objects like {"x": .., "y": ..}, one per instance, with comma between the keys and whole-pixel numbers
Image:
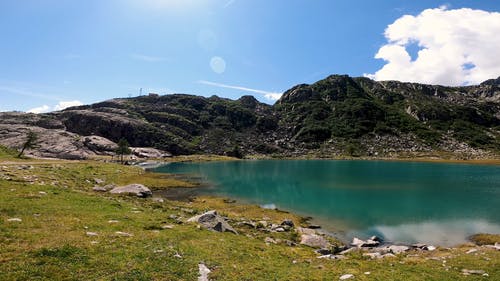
[
  {"x": 485, "y": 239},
  {"x": 7, "y": 152},
  {"x": 58, "y": 208}
]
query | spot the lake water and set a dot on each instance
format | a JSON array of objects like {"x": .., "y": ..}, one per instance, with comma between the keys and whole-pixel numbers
[{"x": 403, "y": 202}]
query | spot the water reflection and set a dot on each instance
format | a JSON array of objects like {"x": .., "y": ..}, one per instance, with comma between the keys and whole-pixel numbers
[{"x": 445, "y": 233}]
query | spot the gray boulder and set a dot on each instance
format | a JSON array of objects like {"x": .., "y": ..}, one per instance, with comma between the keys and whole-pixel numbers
[
  {"x": 212, "y": 221},
  {"x": 314, "y": 241},
  {"x": 138, "y": 190}
]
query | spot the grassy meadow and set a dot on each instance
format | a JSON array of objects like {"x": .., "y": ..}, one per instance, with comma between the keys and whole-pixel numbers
[{"x": 54, "y": 227}]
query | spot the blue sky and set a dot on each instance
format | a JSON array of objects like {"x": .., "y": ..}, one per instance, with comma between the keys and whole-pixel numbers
[{"x": 53, "y": 52}]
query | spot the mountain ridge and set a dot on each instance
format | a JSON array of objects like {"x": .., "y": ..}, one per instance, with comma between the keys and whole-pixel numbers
[{"x": 336, "y": 116}]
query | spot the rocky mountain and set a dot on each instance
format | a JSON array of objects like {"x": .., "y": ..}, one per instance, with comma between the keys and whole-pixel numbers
[{"x": 339, "y": 115}]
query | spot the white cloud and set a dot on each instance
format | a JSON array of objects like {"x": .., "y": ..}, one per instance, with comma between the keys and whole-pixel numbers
[
  {"x": 147, "y": 58},
  {"x": 456, "y": 47},
  {"x": 65, "y": 104},
  {"x": 60, "y": 106},
  {"x": 268, "y": 95},
  {"x": 40, "y": 109}
]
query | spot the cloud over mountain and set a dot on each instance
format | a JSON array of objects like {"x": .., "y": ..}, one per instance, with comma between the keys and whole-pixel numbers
[{"x": 455, "y": 47}]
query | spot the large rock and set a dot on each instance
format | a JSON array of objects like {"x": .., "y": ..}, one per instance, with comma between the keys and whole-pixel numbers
[
  {"x": 212, "y": 221},
  {"x": 314, "y": 241},
  {"x": 99, "y": 144},
  {"x": 138, "y": 190},
  {"x": 148, "y": 152}
]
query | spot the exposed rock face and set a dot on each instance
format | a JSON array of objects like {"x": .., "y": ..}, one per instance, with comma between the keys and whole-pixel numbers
[
  {"x": 100, "y": 145},
  {"x": 53, "y": 140},
  {"x": 138, "y": 190}
]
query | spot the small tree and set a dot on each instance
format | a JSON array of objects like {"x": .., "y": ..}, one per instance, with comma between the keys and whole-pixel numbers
[
  {"x": 123, "y": 148},
  {"x": 30, "y": 143}
]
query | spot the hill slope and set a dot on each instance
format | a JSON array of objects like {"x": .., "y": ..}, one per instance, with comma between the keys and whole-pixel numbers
[{"x": 339, "y": 115}]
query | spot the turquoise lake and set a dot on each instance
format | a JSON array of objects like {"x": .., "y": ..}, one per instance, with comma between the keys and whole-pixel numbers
[{"x": 405, "y": 202}]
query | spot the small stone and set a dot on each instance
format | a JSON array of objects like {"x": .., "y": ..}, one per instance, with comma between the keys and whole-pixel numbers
[
  {"x": 42, "y": 193},
  {"x": 324, "y": 251},
  {"x": 98, "y": 181},
  {"x": 15, "y": 220},
  {"x": 301, "y": 230},
  {"x": 347, "y": 251},
  {"x": 429, "y": 248},
  {"x": 88, "y": 233},
  {"x": 123, "y": 234},
  {"x": 314, "y": 241},
  {"x": 204, "y": 271},
  {"x": 314, "y": 226},
  {"x": 287, "y": 222},
  {"x": 177, "y": 256},
  {"x": 469, "y": 272},
  {"x": 495, "y": 247},
  {"x": 269, "y": 240},
  {"x": 189, "y": 211},
  {"x": 113, "y": 221},
  {"x": 375, "y": 255},
  {"x": 367, "y": 273},
  {"x": 332, "y": 257},
  {"x": 395, "y": 249},
  {"x": 471, "y": 251},
  {"x": 356, "y": 242},
  {"x": 167, "y": 226},
  {"x": 99, "y": 189},
  {"x": 249, "y": 224},
  {"x": 279, "y": 229},
  {"x": 388, "y": 256},
  {"x": 419, "y": 245},
  {"x": 346, "y": 276}
]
